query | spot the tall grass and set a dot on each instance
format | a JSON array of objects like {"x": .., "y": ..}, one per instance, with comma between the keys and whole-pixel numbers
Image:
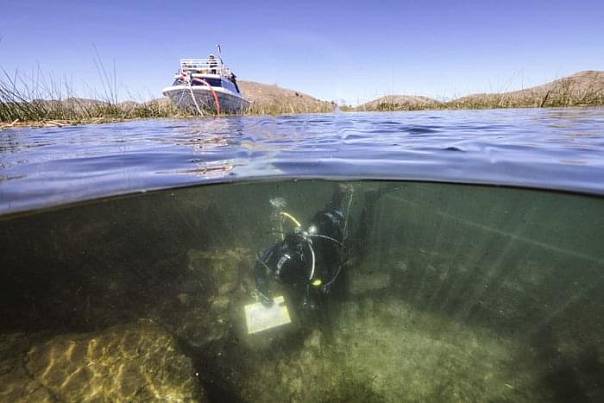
[
  {"x": 396, "y": 106},
  {"x": 280, "y": 108},
  {"x": 47, "y": 101},
  {"x": 32, "y": 100}
]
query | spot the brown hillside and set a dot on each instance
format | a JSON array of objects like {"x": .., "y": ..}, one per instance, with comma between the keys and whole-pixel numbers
[
  {"x": 274, "y": 99},
  {"x": 583, "y": 88},
  {"x": 399, "y": 103}
]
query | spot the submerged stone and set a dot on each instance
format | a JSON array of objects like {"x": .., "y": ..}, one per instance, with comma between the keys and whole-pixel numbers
[
  {"x": 133, "y": 362},
  {"x": 216, "y": 279},
  {"x": 389, "y": 351}
]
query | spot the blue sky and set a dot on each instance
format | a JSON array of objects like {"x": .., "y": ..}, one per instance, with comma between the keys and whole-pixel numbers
[{"x": 350, "y": 50}]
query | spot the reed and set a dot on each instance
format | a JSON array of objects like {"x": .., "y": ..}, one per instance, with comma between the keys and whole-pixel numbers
[
  {"x": 562, "y": 96},
  {"x": 48, "y": 103},
  {"x": 52, "y": 105},
  {"x": 391, "y": 107},
  {"x": 274, "y": 108}
]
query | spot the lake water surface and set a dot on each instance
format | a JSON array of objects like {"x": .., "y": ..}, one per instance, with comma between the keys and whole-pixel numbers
[{"x": 543, "y": 148}]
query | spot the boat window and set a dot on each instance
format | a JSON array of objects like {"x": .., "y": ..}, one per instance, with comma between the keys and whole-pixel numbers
[
  {"x": 229, "y": 85},
  {"x": 214, "y": 82}
]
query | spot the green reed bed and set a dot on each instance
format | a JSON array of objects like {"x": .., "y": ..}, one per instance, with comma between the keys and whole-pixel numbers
[
  {"x": 563, "y": 95},
  {"x": 17, "y": 109},
  {"x": 18, "y": 106},
  {"x": 287, "y": 108},
  {"x": 395, "y": 107},
  {"x": 39, "y": 100},
  {"x": 48, "y": 102}
]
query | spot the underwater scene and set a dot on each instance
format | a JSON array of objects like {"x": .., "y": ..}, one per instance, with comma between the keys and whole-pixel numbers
[{"x": 306, "y": 291}]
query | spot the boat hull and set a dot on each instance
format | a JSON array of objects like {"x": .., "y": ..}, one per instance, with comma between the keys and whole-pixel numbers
[{"x": 182, "y": 97}]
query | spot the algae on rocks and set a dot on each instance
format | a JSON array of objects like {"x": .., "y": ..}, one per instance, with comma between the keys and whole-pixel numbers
[
  {"x": 213, "y": 282},
  {"x": 384, "y": 350},
  {"x": 134, "y": 362}
]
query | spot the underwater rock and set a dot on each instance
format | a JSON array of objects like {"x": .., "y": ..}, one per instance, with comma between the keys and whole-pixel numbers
[
  {"x": 134, "y": 362},
  {"x": 316, "y": 372},
  {"x": 215, "y": 280},
  {"x": 184, "y": 298},
  {"x": 314, "y": 341},
  {"x": 304, "y": 376},
  {"x": 218, "y": 272},
  {"x": 387, "y": 350},
  {"x": 16, "y": 384},
  {"x": 363, "y": 281},
  {"x": 409, "y": 355}
]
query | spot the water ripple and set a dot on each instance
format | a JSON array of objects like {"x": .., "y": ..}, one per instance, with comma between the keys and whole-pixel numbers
[{"x": 543, "y": 148}]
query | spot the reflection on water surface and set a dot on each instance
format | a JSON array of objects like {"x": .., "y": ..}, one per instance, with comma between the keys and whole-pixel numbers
[{"x": 541, "y": 148}]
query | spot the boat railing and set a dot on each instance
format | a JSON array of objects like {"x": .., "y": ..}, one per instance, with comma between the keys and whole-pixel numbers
[{"x": 213, "y": 66}]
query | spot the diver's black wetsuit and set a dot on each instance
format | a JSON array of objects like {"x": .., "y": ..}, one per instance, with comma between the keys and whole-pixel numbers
[{"x": 290, "y": 261}]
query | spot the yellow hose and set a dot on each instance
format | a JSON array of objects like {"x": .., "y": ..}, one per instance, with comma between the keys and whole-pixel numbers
[{"x": 291, "y": 217}]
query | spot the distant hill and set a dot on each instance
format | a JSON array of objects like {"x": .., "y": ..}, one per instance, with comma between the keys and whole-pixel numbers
[
  {"x": 267, "y": 98},
  {"x": 399, "y": 103},
  {"x": 583, "y": 88}
]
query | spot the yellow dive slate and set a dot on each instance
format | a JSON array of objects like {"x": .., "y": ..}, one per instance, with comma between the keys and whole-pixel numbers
[{"x": 259, "y": 317}]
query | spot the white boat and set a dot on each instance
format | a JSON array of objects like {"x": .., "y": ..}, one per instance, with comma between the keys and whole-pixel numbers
[{"x": 206, "y": 86}]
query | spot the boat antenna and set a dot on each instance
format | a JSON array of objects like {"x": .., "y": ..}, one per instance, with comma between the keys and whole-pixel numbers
[{"x": 219, "y": 52}]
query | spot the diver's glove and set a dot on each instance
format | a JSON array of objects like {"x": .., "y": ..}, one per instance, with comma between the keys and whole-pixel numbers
[{"x": 265, "y": 300}]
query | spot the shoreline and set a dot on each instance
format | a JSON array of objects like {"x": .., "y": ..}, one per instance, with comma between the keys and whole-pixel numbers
[
  {"x": 58, "y": 123},
  {"x": 17, "y": 109}
]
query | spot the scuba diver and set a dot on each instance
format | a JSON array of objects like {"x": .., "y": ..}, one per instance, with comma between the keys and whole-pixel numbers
[{"x": 307, "y": 261}]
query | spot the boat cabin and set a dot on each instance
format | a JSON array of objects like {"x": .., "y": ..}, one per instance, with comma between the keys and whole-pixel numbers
[{"x": 211, "y": 71}]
